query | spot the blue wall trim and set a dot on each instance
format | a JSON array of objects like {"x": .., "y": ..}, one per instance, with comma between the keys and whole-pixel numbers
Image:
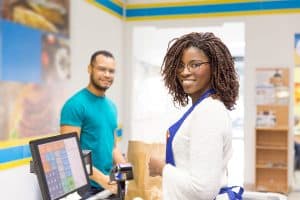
[
  {"x": 216, "y": 8},
  {"x": 14, "y": 153},
  {"x": 111, "y": 6},
  {"x": 156, "y": 10}
]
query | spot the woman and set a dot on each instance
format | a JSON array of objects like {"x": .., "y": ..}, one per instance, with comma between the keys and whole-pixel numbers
[{"x": 200, "y": 68}]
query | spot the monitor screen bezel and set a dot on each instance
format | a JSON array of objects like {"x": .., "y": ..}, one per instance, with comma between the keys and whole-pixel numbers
[{"x": 37, "y": 162}]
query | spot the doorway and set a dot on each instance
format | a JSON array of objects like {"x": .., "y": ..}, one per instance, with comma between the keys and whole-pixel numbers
[{"x": 153, "y": 109}]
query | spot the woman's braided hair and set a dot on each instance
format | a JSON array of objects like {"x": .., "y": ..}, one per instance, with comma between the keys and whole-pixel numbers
[{"x": 224, "y": 78}]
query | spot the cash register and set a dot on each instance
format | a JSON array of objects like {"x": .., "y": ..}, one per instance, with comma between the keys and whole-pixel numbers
[{"x": 62, "y": 169}]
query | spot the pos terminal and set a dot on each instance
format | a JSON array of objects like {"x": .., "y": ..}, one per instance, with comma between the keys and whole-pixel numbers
[{"x": 62, "y": 169}]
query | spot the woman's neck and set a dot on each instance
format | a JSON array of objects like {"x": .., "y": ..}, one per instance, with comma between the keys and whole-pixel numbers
[{"x": 197, "y": 96}]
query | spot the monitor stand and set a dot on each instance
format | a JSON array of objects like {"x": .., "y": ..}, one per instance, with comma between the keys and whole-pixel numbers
[
  {"x": 72, "y": 196},
  {"x": 101, "y": 195}
]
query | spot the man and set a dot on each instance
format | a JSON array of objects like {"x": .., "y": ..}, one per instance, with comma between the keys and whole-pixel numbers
[{"x": 94, "y": 117}]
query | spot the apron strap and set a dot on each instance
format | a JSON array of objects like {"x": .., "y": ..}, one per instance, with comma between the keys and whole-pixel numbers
[{"x": 173, "y": 129}]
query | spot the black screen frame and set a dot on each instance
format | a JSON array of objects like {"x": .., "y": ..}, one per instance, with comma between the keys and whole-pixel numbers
[{"x": 37, "y": 163}]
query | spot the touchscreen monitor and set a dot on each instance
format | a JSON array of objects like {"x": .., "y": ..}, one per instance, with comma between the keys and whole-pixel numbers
[{"x": 59, "y": 166}]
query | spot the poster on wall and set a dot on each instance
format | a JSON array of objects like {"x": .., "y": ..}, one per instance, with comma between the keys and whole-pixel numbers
[
  {"x": 55, "y": 58},
  {"x": 38, "y": 56},
  {"x": 20, "y": 53},
  {"x": 34, "y": 67},
  {"x": 29, "y": 110},
  {"x": 297, "y": 84},
  {"x": 47, "y": 15},
  {"x": 297, "y": 108},
  {"x": 297, "y": 50}
]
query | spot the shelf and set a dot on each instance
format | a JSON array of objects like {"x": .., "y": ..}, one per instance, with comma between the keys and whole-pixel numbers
[
  {"x": 272, "y": 179},
  {"x": 272, "y": 139},
  {"x": 272, "y": 187},
  {"x": 264, "y": 166},
  {"x": 278, "y": 128},
  {"x": 273, "y": 105},
  {"x": 272, "y": 130},
  {"x": 279, "y": 148}
]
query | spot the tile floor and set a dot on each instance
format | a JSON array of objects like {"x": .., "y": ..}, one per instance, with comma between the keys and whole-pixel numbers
[{"x": 294, "y": 196}]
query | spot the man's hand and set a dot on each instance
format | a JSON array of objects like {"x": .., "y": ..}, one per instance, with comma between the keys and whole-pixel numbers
[
  {"x": 104, "y": 181},
  {"x": 111, "y": 186}
]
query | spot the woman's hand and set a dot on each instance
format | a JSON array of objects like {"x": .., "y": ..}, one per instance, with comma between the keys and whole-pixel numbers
[{"x": 155, "y": 166}]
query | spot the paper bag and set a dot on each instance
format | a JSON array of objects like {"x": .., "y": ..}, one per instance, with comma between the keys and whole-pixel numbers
[{"x": 144, "y": 186}]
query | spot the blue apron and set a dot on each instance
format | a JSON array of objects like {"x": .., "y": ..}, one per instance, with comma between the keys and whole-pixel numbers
[
  {"x": 173, "y": 129},
  {"x": 232, "y": 195}
]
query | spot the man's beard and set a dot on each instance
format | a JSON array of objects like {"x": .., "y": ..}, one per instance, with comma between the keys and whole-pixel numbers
[{"x": 98, "y": 86}]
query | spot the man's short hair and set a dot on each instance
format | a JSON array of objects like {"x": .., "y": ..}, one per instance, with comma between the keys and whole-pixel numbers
[{"x": 101, "y": 52}]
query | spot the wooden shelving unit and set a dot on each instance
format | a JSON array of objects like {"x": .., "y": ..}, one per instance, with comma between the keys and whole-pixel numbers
[{"x": 271, "y": 141}]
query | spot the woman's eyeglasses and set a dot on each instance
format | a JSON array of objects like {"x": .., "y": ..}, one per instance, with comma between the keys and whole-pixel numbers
[{"x": 191, "y": 66}]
